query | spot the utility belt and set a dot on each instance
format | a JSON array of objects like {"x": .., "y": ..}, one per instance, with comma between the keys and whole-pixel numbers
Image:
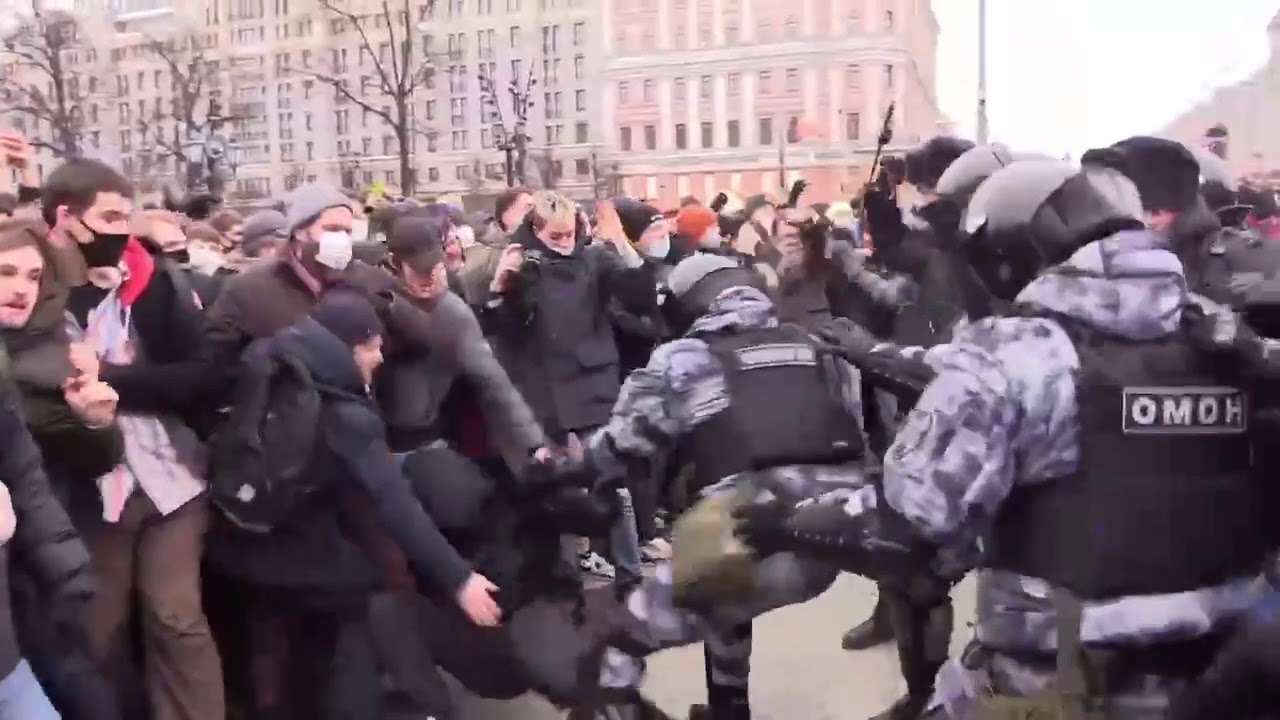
[{"x": 1086, "y": 676}]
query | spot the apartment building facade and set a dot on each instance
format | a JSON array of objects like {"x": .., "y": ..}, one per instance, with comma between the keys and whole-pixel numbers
[
  {"x": 1247, "y": 110},
  {"x": 268, "y": 60},
  {"x": 750, "y": 95}
]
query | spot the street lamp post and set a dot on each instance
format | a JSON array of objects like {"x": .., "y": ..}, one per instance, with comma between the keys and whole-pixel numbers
[{"x": 982, "y": 72}]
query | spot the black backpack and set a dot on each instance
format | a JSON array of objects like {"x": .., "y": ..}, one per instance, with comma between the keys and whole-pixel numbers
[{"x": 259, "y": 459}]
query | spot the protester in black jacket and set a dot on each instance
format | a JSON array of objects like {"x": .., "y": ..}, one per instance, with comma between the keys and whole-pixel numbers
[
  {"x": 70, "y": 416},
  {"x": 309, "y": 567},
  {"x": 548, "y": 317}
]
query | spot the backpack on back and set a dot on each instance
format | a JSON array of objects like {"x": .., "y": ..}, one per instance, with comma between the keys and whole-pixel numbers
[{"x": 259, "y": 459}]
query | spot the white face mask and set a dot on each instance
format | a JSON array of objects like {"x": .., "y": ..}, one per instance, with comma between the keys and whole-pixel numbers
[
  {"x": 204, "y": 259},
  {"x": 335, "y": 250},
  {"x": 466, "y": 236},
  {"x": 360, "y": 231},
  {"x": 659, "y": 248}
]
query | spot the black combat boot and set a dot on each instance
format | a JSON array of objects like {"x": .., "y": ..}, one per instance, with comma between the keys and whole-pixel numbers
[
  {"x": 875, "y": 630},
  {"x": 724, "y": 703},
  {"x": 908, "y": 707}
]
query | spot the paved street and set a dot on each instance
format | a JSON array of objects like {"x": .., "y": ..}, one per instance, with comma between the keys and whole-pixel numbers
[{"x": 799, "y": 672}]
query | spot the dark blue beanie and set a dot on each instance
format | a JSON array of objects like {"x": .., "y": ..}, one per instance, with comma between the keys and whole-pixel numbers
[{"x": 348, "y": 315}]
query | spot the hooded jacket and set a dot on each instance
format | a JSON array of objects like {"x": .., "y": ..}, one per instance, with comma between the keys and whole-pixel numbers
[
  {"x": 553, "y": 331},
  {"x": 312, "y": 551}
]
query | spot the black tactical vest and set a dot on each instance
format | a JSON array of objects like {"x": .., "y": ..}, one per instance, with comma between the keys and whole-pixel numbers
[
  {"x": 1163, "y": 500},
  {"x": 785, "y": 407}
]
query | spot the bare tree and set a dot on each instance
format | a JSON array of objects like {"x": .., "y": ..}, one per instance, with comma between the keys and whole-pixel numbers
[
  {"x": 514, "y": 141},
  {"x": 397, "y": 75},
  {"x": 39, "y": 84},
  {"x": 176, "y": 132}
]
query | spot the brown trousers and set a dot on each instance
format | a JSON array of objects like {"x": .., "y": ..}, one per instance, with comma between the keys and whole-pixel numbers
[{"x": 158, "y": 557}]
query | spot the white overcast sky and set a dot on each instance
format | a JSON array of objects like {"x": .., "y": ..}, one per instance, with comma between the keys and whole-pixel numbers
[{"x": 1067, "y": 75}]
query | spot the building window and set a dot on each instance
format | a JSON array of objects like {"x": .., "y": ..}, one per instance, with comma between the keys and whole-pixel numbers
[
  {"x": 732, "y": 83},
  {"x": 888, "y": 21},
  {"x": 708, "y": 135},
  {"x": 765, "y": 83},
  {"x": 704, "y": 87},
  {"x": 735, "y": 136},
  {"x": 578, "y": 63},
  {"x": 731, "y": 31},
  {"x": 513, "y": 36},
  {"x": 581, "y": 167},
  {"x": 579, "y": 33},
  {"x": 460, "y": 172},
  {"x": 650, "y": 137},
  {"x": 793, "y": 80},
  {"x": 624, "y": 138},
  {"x": 766, "y": 131},
  {"x": 459, "y": 139},
  {"x": 852, "y": 126},
  {"x": 580, "y": 133},
  {"x": 888, "y": 77},
  {"x": 792, "y": 28},
  {"x": 580, "y": 100},
  {"x": 853, "y": 77},
  {"x": 648, "y": 91},
  {"x": 623, "y": 92},
  {"x": 433, "y": 174},
  {"x": 682, "y": 136}
]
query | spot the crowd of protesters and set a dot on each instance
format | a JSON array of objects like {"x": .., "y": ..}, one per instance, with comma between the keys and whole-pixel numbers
[{"x": 447, "y": 348}]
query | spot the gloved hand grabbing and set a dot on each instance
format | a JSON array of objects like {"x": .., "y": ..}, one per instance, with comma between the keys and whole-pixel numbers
[
  {"x": 853, "y": 340},
  {"x": 762, "y": 526}
]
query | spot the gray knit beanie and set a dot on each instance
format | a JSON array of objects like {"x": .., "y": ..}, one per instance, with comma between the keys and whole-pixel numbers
[
  {"x": 689, "y": 271},
  {"x": 306, "y": 203}
]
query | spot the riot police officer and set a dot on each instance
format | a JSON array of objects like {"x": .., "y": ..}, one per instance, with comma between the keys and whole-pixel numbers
[
  {"x": 764, "y": 410},
  {"x": 1042, "y": 432},
  {"x": 923, "y": 634}
]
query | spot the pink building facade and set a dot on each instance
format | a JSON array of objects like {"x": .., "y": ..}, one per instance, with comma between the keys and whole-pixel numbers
[{"x": 700, "y": 96}]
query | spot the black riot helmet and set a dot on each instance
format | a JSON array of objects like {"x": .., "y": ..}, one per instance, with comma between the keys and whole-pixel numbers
[
  {"x": 1034, "y": 214},
  {"x": 926, "y": 164},
  {"x": 695, "y": 283},
  {"x": 959, "y": 181}
]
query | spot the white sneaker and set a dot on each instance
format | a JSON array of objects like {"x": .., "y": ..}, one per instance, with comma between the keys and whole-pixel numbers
[{"x": 591, "y": 562}]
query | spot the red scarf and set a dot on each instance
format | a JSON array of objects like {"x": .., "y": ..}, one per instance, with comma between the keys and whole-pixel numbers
[{"x": 141, "y": 267}]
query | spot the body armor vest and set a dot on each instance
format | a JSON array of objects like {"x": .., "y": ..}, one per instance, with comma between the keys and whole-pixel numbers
[
  {"x": 1163, "y": 499},
  {"x": 785, "y": 407}
]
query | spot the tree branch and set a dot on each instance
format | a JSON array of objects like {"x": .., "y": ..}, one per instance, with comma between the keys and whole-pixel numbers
[
  {"x": 338, "y": 85},
  {"x": 364, "y": 37}
]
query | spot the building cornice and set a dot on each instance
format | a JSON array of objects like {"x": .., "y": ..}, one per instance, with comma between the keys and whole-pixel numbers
[
  {"x": 797, "y": 156},
  {"x": 863, "y": 47}
]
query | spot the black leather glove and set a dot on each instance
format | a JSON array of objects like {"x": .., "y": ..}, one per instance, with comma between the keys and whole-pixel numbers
[
  {"x": 1244, "y": 680},
  {"x": 797, "y": 189},
  {"x": 763, "y": 526},
  {"x": 854, "y": 341}
]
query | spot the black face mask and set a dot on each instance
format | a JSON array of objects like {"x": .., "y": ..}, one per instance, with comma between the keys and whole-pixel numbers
[
  {"x": 182, "y": 257},
  {"x": 105, "y": 249}
]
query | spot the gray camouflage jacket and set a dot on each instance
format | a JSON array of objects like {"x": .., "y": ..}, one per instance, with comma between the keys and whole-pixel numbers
[
  {"x": 1002, "y": 411},
  {"x": 684, "y": 384}
]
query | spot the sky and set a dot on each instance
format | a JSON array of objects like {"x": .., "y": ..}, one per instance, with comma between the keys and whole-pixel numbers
[{"x": 1067, "y": 75}]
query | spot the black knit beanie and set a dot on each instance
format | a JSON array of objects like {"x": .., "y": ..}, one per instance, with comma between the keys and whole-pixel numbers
[{"x": 349, "y": 316}]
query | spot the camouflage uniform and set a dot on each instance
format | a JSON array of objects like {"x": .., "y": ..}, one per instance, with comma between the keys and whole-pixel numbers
[
  {"x": 1002, "y": 412},
  {"x": 682, "y": 386}
]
